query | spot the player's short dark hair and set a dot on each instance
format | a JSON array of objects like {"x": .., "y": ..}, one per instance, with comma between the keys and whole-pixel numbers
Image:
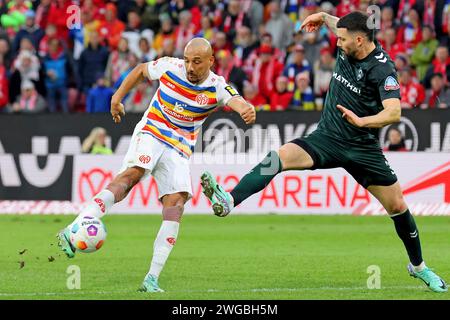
[{"x": 356, "y": 22}]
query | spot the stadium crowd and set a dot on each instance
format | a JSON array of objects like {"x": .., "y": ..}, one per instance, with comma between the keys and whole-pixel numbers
[{"x": 69, "y": 56}]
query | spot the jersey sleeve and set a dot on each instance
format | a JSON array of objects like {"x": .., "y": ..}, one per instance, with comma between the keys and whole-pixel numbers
[
  {"x": 225, "y": 92},
  {"x": 387, "y": 83},
  {"x": 158, "y": 67}
]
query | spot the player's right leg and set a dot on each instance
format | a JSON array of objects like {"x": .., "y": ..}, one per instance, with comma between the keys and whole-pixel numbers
[
  {"x": 291, "y": 156},
  {"x": 97, "y": 207}
]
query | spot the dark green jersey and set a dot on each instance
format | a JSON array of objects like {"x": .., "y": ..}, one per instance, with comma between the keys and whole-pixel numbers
[{"x": 360, "y": 86}]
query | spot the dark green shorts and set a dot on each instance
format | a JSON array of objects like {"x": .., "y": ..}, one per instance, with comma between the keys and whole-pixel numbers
[{"x": 365, "y": 162}]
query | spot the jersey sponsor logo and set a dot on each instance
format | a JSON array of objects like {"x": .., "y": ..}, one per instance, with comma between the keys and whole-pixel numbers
[
  {"x": 391, "y": 84},
  {"x": 144, "y": 159},
  {"x": 177, "y": 115},
  {"x": 101, "y": 204},
  {"x": 381, "y": 58},
  {"x": 202, "y": 99},
  {"x": 231, "y": 91},
  {"x": 346, "y": 83},
  {"x": 171, "y": 240}
]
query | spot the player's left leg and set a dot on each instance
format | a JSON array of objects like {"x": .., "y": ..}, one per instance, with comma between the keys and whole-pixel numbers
[
  {"x": 173, "y": 207},
  {"x": 173, "y": 178},
  {"x": 391, "y": 198}
]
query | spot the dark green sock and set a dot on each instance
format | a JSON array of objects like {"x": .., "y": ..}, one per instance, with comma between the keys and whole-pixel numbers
[
  {"x": 258, "y": 178},
  {"x": 407, "y": 231}
]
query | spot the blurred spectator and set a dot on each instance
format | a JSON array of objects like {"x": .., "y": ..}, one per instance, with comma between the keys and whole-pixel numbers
[
  {"x": 42, "y": 11},
  {"x": 117, "y": 62},
  {"x": 440, "y": 64},
  {"x": 266, "y": 40},
  {"x": 412, "y": 93},
  {"x": 313, "y": 43},
  {"x": 303, "y": 98},
  {"x": 266, "y": 70},
  {"x": 29, "y": 100},
  {"x": 207, "y": 28},
  {"x": 220, "y": 42},
  {"x": 4, "y": 94},
  {"x": 389, "y": 43},
  {"x": 400, "y": 61},
  {"x": 29, "y": 30},
  {"x": 184, "y": 32},
  {"x": 133, "y": 61},
  {"x": 135, "y": 31},
  {"x": 111, "y": 28},
  {"x": 92, "y": 61},
  {"x": 299, "y": 64},
  {"x": 410, "y": 32},
  {"x": 146, "y": 53},
  {"x": 166, "y": 32},
  {"x": 138, "y": 100},
  {"x": 50, "y": 33},
  {"x": 250, "y": 94},
  {"x": 59, "y": 15},
  {"x": 233, "y": 18},
  {"x": 424, "y": 52},
  {"x": 57, "y": 67},
  {"x": 387, "y": 18},
  {"x": 168, "y": 49},
  {"x": 395, "y": 142},
  {"x": 278, "y": 26},
  {"x": 99, "y": 97},
  {"x": 438, "y": 96},
  {"x": 232, "y": 73},
  {"x": 26, "y": 67},
  {"x": 5, "y": 52},
  {"x": 243, "y": 45},
  {"x": 323, "y": 71},
  {"x": 95, "y": 143},
  {"x": 151, "y": 17},
  {"x": 281, "y": 97},
  {"x": 255, "y": 11},
  {"x": 15, "y": 17}
]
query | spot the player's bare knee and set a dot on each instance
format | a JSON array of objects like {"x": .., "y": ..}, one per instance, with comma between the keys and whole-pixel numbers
[
  {"x": 397, "y": 206},
  {"x": 173, "y": 213},
  {"x": 283, "y": 154}
]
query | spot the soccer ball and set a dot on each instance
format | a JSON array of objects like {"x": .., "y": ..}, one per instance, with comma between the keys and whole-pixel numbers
[{"x": 88, "y": 234}]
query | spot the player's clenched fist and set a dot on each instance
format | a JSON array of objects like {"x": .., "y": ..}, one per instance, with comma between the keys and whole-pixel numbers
[
  {"x": 313, "y": 22},
  {"x": 249, "y": 114},
  {"x": 117, "y": 110}
]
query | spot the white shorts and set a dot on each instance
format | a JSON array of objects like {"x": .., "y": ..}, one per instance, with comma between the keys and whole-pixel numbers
[{"x": 169, "y": 169}]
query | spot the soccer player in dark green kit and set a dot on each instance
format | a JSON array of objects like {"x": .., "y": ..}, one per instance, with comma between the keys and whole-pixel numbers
[{"x": 363, "y": 96}]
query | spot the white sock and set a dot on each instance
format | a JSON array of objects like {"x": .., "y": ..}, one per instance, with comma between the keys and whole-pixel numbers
[
  {"x": 420, "y": 267},
  {"x": 97, "y": 206},
  {"x": 164, "y": 242}
]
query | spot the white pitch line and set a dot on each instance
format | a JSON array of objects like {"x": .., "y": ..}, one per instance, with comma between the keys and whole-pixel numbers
[{"x": 76, "y": 292}]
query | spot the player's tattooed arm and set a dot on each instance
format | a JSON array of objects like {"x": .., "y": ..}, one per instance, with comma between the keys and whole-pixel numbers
[
  {"x": 246, "y": 110},
  {"x": 315, "y": 21},
  {"x": 390, "y": 114},
  {"x": 137, "y": 75}
]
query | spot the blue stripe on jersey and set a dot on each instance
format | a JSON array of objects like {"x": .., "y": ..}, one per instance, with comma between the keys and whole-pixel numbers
[
  {"x": 188, "y": 85},
  {"x": 167, "y": 144}
]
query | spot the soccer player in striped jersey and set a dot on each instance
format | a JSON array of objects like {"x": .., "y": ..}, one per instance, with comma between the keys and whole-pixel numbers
[{"x": 164, "y": 140}]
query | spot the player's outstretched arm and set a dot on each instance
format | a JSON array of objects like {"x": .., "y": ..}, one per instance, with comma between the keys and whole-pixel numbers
[
  {"x": 137, "y": 75},
  {"x": 315, "y": 21},
  {"x": 390, "y": 114},
  {"x": 245, "y": 109}
]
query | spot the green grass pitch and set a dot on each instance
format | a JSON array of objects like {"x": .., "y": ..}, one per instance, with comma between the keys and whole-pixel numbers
[{"x": 238, "y": 257}]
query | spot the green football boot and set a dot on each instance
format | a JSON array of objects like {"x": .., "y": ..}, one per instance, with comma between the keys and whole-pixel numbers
[
  {"x": 150, "y": 284},
  {"x": 64, "y": 242},
  {"x": 431, "y": 279},
  {"x": 222, "y": 201}
]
